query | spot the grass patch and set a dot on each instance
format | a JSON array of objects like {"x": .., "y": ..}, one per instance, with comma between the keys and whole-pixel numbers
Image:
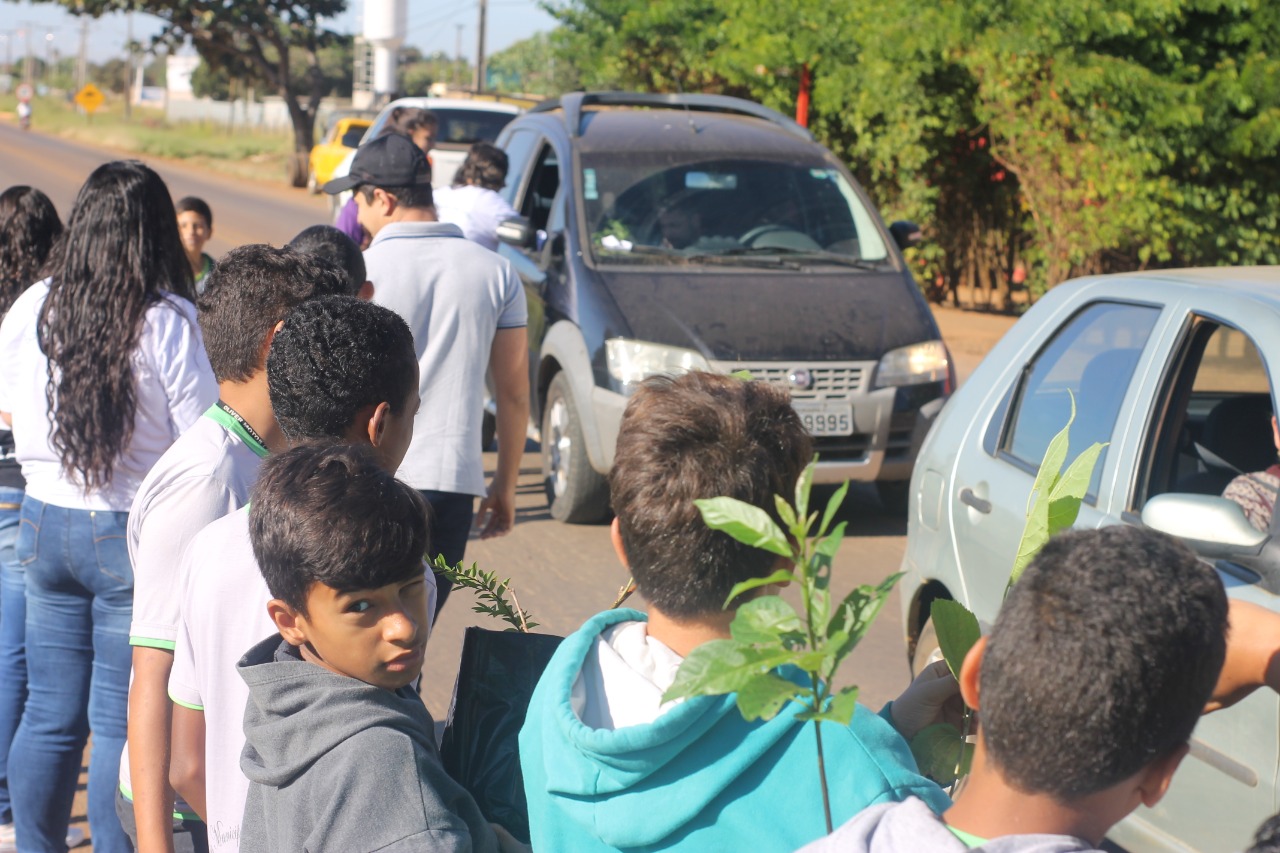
[{"x": 260, "y": 155}]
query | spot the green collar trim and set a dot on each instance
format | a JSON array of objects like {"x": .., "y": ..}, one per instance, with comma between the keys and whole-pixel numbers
[
  {"x": 236, "y": 428},
  {"x": 967, "y": 838}
]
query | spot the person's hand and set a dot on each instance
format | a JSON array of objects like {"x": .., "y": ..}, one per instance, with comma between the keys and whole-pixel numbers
[
  {"x": 1253, "y": 655},
  {"x": 497, "y": 513},
  {"x": 508, "y": 843},
  {"x": 933, "y": 697}
]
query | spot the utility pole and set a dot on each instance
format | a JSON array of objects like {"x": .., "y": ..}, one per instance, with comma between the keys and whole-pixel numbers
[
  {"x": 457, "y": 58},
  {"x": 8, "y": 51},
  {"x": 48, "y": 55},
  {"x": 29, "y": 66},
  {"x": 128, "y": 72},
  {"x": 82, "y": 58},
  {"x": 479, "y": 78}
]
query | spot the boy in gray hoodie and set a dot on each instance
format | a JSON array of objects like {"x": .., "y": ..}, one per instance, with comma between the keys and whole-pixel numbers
[
  {"x": 340, "y": 751},
  {"x": 1103, "y": 657}
]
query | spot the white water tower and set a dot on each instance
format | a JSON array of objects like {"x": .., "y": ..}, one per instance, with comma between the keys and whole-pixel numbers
[{"x": 385, "y": 22}]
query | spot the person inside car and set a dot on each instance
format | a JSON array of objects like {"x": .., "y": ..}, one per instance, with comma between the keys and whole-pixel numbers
[{"x": 1256, "y": 492}]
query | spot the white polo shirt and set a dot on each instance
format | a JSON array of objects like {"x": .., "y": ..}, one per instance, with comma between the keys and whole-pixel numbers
[
  {"x": 173, "y": 386},
  {"x": 224, "y": 614}
]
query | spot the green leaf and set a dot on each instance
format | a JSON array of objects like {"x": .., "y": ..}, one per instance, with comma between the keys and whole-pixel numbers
[
  {"x": 830, "y": 544},
  {"x": 1068, "y": 493},
  {"x": 722, "y": 666},
  {"x": 1054, "y": 456},
  {"x": 781, "y": 577},
  {"x": 1034, "y": 534},
  {"x": 804, "y": 486},
  {"x": 785, "y": 512},
  {"x": 763, "y": 696},
  {"x": 833, "y": 506},
  {"x": 744, "y": 375},
  {"x": 855, "y": 614},
  {"x": 842, "y": 706},
  {"x": 767, "y": 620},
  {"x": 748, "y": 524},
  {"x": 938, "y": 750},
  {"x": 957, "y": 630}
]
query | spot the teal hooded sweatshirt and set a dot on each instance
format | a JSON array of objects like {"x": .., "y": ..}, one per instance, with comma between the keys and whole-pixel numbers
[{"x": 699, "y": 778}]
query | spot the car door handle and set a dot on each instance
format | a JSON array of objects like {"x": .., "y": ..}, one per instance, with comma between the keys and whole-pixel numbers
[{"x": 967, "y": 496}]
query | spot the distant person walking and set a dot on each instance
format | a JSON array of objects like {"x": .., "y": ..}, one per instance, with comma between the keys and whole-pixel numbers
[
  {"x": 104, "y": 368},
  {"x": 195, "y": 227},
  {"x": 466, "y": 307},
  {"x": 418, "y": 125},
  {"x": 473, "y": 203},
  {"x": 29, "y": 225}
]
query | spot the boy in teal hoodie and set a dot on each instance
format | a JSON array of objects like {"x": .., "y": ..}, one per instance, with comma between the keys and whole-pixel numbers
[{"x": 607, "y": 765}]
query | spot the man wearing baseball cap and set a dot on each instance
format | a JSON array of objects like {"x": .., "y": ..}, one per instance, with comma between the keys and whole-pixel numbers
[{"x": 466, "y": 307}]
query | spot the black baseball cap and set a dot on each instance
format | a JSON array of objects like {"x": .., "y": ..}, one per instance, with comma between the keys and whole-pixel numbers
[{"x": 388, "y": 161}]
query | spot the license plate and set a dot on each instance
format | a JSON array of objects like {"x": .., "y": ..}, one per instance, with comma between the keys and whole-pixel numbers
[{"x": 825, "y": 417}]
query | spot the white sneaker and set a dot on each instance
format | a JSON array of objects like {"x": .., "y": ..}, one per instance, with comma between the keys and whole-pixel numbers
[{"x": 75, "y": 835}]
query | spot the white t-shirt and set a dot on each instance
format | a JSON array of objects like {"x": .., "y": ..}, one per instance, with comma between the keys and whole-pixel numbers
[
  {"x": 476, "y": 210},
  {"x": 455, "y": 296},
  {"x": 173, "y": 381},
  {"x": 224, "y": 614},
  {"x": 207, "y": 473}
]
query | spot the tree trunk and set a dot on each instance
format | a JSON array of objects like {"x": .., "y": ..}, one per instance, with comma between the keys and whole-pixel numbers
[{"x": 304, "y": 128}]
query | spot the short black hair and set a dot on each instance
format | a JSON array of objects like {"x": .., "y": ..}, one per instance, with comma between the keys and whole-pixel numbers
[
  {"x": 337, "y": 248},
  {"x": 701, "y": 435},
  {"x": 195, "y": 205},
  {"x": 328, "y": 513},
  {"x": 334, "y": 357},
  {"x": 1101, "y": 660},
  {"x": 418, "y": 195},
  {"x": 1268, "y": 838},
  {"x": 251, "y": 289}
]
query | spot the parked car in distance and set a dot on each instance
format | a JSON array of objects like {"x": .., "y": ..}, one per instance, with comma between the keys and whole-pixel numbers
[
  {"x": 342, "y": 138},
  {"x": 1172, "y": 369},
  {"x": 665, "y": 233},
  {"x": 463, "y": 122}
]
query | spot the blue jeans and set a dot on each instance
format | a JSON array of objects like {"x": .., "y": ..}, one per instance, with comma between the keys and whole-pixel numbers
[
  {"x": 79, "y": 605},
  {"x": 13, "y": 630}
]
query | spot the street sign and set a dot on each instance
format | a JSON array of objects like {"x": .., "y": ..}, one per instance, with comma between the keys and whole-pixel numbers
[
  {"x": 25, "y": 92},
  {"x": 89, "y": 98}
]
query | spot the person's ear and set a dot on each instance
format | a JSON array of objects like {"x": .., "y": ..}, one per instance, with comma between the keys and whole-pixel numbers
[
  {"x": 386, "y": 202},
  {"x": 615, "y": 536},
  {"x": 1158, "y": 776},
  {"x": 266, "y": 344},
  {"x": 366, "y": 292},
  {"x": 289, "y": 622},
  {"x": 971, "y": 673},
  {"x": 377, "y": 424}
]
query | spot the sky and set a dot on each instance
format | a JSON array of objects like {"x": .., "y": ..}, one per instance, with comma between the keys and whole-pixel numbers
[{"x": 432, "y": 26}]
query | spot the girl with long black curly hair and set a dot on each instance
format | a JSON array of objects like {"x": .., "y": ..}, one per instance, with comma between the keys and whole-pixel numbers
[{"x": 104, "y": 367}]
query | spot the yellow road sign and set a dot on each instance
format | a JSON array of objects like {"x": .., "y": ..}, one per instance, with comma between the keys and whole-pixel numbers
[{"x": 89, "y": 98}]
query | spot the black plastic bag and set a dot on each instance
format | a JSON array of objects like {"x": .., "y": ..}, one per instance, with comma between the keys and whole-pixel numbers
[{"x": 480, "y": 750}]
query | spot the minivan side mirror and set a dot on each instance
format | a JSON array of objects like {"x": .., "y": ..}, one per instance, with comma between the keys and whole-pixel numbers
[
  {"x": 906, "y": 234},
  {"x": 1212, "y": 526},
  {"x": 516, "y": 232}
]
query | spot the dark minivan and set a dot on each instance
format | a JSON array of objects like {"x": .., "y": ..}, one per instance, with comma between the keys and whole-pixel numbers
[{"x": 665, "y": 233}]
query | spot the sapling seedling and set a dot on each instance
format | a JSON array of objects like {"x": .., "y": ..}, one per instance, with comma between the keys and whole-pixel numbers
[
  {"x": 775, "y": 655},
  {"x": 491, "y": 593}
]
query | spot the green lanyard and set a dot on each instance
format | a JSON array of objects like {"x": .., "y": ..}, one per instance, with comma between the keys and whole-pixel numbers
[{"x": 233, "y": 423}]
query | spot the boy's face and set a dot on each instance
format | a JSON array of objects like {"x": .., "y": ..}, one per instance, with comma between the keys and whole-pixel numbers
[
  {"x": 194, "y": 231},
  {"x": 378, "y": 635}
]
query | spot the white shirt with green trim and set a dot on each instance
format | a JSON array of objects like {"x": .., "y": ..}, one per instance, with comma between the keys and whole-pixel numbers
[
  {"x": 224, "y": 614},
  {"x": 207, "y": 473}
]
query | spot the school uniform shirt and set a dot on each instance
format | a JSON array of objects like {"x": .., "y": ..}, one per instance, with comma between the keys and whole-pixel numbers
[
  {"x": 173, "y": 386},
  {"x": 207, "y": 473},
  {"x": 476, "y": 210},
  {"x": 455, "y": 296},
  {"x": 223, "y": 615}
]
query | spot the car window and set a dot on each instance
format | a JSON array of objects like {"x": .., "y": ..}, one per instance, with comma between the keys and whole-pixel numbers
[
  {"x": 519, "y": 147},
  {"x": 456, "y": 126},
  {"x": 352, "y": 137},
  {"x": 1231, "y": 364},
  {"x": 1093, "y": 357},
  {"x": 543, "y": 185}
]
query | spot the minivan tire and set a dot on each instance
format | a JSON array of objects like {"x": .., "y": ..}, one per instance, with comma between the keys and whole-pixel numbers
[
  {"x": 927, "y": 649},
  {"x": 576, "y": 493}
]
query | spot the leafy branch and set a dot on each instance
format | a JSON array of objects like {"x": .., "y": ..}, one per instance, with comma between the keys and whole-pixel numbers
[{"x": 491, "y": 593}]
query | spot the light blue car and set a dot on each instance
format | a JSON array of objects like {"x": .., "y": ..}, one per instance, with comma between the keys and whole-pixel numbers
[{"x": 1172, "y": 368}]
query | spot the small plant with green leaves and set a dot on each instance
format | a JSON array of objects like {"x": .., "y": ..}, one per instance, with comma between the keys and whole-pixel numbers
[
  {"x": 943, "y": 751},
  {"x": 768, "y": 636},
  {"x": 491, "y": 593}
]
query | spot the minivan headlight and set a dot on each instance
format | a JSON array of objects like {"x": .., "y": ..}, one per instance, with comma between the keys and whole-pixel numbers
[
  {"x": 631, "y": 362},
  {"x": 914, "y": 365}
]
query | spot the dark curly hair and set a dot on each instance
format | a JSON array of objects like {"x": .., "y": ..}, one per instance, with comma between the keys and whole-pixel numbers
[
  {"x": 486, "y": 166},
  {"x": 29, "y": 226},
  {"x": 119, "y": 255},
  {"x": 335, "y": 356}
]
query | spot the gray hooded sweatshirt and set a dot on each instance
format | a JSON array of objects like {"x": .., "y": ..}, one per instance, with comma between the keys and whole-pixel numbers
[
  {"x": 335, "y": 764},
  {"x": 911, "y": 827}
]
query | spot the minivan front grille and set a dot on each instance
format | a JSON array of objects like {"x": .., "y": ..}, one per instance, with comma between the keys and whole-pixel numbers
[{"x": 807, "y": 380}]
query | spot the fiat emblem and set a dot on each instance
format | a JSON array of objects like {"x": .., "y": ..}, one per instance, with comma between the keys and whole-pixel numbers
[{"x": 800, "y": 379}]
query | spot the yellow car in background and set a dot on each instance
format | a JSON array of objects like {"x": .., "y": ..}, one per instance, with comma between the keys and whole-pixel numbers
[{"x": 343, "y": 135}]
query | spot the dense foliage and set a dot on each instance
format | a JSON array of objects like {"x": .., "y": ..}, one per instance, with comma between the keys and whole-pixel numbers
[{"x": 1053, "y": 138}]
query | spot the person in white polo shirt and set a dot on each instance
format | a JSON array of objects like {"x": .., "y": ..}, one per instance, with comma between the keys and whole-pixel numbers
[
  {"x": 206, "y": 474},
  {"x": 467, "y": 310}
]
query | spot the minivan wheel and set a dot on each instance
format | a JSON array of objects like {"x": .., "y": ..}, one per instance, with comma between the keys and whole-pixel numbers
[
  {"x": 927, "y": 649},
  {"x": 575, "y": 492},
  {"x": 895, "y": 495}
]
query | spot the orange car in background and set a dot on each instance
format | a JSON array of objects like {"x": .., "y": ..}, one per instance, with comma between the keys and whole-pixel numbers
[{"x": 343, "y": 135}]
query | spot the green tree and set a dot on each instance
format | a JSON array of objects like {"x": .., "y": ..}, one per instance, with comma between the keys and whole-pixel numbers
[{"x": 533, "y": 66}]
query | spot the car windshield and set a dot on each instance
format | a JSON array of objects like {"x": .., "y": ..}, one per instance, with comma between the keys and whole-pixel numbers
[
  {"x": 649, "y": 209},
  {"x": 458, "y": 126}
]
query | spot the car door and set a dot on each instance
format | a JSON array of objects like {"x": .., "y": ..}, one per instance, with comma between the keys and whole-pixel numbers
[
  {"x": 1099, "y": 354},
  {"x": 1224, "y": 352}
]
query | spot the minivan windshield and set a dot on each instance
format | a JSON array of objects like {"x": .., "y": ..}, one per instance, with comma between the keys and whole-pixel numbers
[
  {"x": 457, "y": 126},
  {"x": 731, "y": 210}
]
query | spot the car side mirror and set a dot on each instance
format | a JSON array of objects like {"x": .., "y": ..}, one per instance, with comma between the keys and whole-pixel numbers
[
  {"x": 906, "y": 234},
  {"x": 516, "y": 232},
  {"x": 1214, "y": 527}
]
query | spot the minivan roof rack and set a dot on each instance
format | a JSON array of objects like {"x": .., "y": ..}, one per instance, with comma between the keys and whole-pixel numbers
[{"x": 574, "y": 103}]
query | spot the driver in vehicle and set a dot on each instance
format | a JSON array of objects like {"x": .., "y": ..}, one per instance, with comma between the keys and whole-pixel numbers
[
  {"x": 680, "y": 227},
  {"x": 1256, "y": 492}
]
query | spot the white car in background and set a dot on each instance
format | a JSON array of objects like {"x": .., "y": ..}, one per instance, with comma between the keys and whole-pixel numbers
[{"x": 463, "y": 122}]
